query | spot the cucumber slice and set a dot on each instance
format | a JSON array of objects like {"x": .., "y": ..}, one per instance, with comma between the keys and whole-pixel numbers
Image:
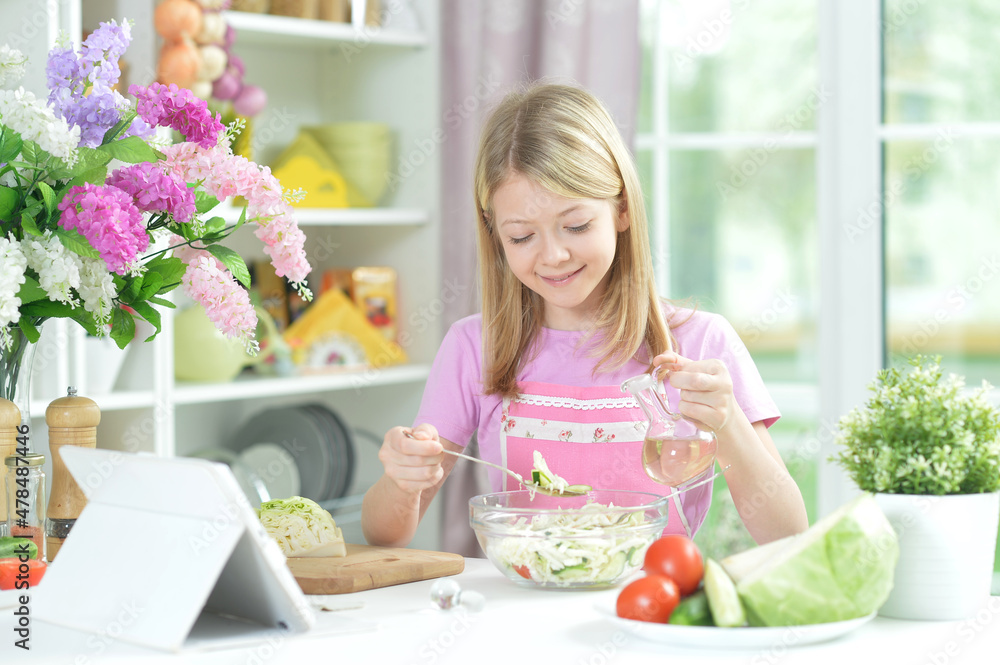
[
  {"x": 692, "y": 611},
  {"x": 579, "y": 488},
  {"x": 723, "y": 600}
]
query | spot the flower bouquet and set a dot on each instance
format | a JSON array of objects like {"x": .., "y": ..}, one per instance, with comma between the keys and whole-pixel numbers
[{"x": 101, "y": 215}]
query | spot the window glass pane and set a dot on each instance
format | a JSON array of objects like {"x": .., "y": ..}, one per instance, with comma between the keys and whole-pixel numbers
[
  {"x": 648, "y": 16},
  {"x": 743, "y": 244},
  {"x": 942, "y": 251},
  {"x": 940, "y": 61},
  {"x": 742, "y": 66}
]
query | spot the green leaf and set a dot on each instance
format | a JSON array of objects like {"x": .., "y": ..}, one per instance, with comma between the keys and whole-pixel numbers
[
  {"x": 133, "y": 287},
  {"x": 122, "y": 327},
  {"x": 28, "y": 224},
  {"x": 127, "y": 117},
  {"x": 10, "y": 145},
  {"x": 162, "y": 302},
  {"x": 32, "y": 153},
  {"x": 170, "y": 268},
  {"x": 48, "y": 196},
  {"x": 146, "y": 311},
  {"x": 31, "y": 291},
  {"x": 131, "y": 149},
  {"x": 203, "y": 202},
  {"x": 233, "y": 262},
  {"x": 29, "y": 329},
  {"x": 53, "y": 309},
  {"x": 151, "y": 283},
  {"x": 95, "y": 176},
  {"x": 8, "y": 203},
  {"x": 74, "y": 242},
  {"x": 88, "y": 161}
]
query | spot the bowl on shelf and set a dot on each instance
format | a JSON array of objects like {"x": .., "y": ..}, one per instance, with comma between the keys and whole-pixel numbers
[{"x": 593, "y": 541}]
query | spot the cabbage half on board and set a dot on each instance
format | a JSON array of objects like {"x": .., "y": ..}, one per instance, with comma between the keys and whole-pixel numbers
[
  {"x": 301, "y": 527},
  {"x": 841, "y": 568}
]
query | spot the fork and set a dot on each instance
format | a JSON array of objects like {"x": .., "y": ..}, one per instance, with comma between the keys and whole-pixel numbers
[{"x": 516, "y": 476}]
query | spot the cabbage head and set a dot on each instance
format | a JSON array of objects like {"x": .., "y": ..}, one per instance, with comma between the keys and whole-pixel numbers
[
  {"x": 301, "y": 527},
  {"x": 841, "y": 568}
]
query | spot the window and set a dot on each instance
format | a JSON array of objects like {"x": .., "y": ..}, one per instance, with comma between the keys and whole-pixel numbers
[{"x": 837, "y": 232}]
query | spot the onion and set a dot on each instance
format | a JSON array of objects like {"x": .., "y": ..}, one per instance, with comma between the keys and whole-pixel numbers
[
  {"x": 179, "y": 63},
  {"x": 236, "y": 62},
  {"x": 201, "y": 89},
  {"x": 176, "y": 19},
  {"x": 226, "y": 87},
  {"x": 213, "y": 63},
  {"x": 250, "y": 101},
  {"x": 230, "y": 37},
  {"x": 213, "y": 29}
]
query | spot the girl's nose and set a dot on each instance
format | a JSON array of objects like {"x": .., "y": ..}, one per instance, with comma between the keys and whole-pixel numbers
[{"x": 554, "y": 252}]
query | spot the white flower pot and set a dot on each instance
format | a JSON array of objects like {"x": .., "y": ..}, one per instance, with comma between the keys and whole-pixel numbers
[{"x": 946, "y": 551}]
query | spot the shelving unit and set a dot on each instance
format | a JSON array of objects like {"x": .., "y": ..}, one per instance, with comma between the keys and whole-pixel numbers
[{"x": 314, "y": 72}]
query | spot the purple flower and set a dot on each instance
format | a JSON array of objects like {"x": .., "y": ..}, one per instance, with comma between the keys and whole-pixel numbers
[
  {"x": 179, "y": 109},
  {"x": 80, "y": 87},
  {"x": 155, "y": 191},
  {"x": 110, "y": 222}
]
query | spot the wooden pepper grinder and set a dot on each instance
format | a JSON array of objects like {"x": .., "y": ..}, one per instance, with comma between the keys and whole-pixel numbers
[
  {"x": 72, "y": 421},
  {"x": 10, "y": 419}
]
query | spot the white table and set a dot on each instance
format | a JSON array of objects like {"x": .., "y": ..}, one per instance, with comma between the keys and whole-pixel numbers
[{"x": 399, "y": 625}]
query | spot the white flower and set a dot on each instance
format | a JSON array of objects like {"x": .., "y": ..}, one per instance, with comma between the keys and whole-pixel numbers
[
  {"x": 97, "y": 288},
  {"x": 34, "y": 121},
  {"x": 12, "y": 265},
  {"x": 58, "y": 268},
  {"x": 12, "y": 64}
]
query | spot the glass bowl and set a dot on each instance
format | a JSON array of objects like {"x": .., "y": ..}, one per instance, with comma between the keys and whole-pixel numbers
[{"x": 593, "y": 541}]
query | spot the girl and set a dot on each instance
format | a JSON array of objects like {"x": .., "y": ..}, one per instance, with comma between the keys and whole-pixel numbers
[{"x": 569, "y": 311}]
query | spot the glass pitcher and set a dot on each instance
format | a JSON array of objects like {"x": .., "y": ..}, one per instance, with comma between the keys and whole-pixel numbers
[{"x": 675, "y": 450}]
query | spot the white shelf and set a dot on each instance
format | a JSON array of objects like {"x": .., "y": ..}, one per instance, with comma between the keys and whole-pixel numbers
[
  {"x": 116, "y": 401},
  {"x": 254, "y": 387},
  {"x": 343, "y": 216},
  {"x": 269, "y": 30}
]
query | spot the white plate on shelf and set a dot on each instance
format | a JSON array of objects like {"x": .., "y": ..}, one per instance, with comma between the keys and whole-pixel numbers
[
  {"x": 276, "y": 467},
  {"x": 710, "y": 637}
]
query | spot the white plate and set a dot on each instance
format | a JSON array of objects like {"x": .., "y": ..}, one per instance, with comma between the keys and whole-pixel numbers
[
  {"x": 276, "y": 467},
  {"x": 710, "y": 637}
]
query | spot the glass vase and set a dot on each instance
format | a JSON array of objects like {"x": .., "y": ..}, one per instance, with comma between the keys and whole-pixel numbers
[{"x": 15, "y": 371}]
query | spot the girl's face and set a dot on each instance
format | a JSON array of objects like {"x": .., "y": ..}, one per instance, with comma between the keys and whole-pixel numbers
[{"x": 560, "y": 248}]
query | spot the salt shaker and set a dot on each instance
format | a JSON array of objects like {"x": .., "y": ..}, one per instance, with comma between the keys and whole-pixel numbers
[
  {"x": 72, "y": 421},
  {"x": 25, "y": 483}
]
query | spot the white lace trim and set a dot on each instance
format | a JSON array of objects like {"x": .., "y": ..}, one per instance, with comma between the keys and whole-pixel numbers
[
  {"x": 555, "y": 430},
  {"x": 624, "y": 402}
]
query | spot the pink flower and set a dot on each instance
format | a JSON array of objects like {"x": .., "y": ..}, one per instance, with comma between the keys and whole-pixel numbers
[
  {"x": 178, "y": 108},
  {"x": 227, "y": 303},
  {"x": 223, "y": 174},
  {"x": 109, "y": 220},
  {"x": 155, "y": 191}
]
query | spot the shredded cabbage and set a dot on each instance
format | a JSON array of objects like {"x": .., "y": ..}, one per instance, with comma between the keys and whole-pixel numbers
[{"x": 572, "y": 549}]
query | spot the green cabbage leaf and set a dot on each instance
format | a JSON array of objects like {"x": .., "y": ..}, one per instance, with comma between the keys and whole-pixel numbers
[{"x": 302, "y": 528}]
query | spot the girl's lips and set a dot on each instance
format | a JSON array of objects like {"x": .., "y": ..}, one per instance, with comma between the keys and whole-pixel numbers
[{"x": 559, "y": 280}]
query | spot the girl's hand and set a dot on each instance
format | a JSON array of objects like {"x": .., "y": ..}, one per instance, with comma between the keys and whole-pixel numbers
[
  {"x": 413, "y": 463},
  {"x": 706, "y": 389}
]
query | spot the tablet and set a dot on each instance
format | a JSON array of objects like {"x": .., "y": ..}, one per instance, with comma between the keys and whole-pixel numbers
[{"x": 168, "y": 553}]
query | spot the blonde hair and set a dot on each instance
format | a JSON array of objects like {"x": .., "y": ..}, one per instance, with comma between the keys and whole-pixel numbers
[{"x": 562, "y": 138}]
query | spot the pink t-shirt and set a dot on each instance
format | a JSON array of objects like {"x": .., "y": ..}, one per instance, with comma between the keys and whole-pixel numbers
[{"x": 453, "y": 401}]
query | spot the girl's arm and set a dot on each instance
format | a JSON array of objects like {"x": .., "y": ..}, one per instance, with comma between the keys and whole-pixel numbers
[
  {"x": 415, "y": 469},
  {"x": 765, "y": 494}
]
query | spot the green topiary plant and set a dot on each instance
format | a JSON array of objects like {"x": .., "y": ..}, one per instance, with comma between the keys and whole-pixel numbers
[{"x": 920, "y": 434}]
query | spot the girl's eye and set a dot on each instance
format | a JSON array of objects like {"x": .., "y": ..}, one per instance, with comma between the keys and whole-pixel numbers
[
  {"x": 518, "y": 241},
  {"x": 579, "y": 229}
]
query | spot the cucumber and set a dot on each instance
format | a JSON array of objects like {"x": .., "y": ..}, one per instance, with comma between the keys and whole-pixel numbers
[
  {"x": 613, "y": 568},
  {"x": 693, "y": 611},
  {"x": 578, "y": 572},
  {"x": 723, "y": 600},
  {"x": 11, "y": 546}
]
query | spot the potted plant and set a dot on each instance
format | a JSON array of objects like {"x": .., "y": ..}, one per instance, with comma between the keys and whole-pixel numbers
[{"x": 930, "y": 451}]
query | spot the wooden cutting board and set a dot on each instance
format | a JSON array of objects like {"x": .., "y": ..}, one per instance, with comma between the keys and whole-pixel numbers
[{"x": 370, "y": 567}]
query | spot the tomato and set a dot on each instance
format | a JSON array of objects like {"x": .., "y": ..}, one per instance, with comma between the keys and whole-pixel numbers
[
  {"x": 10, "y": 569},
  {"x": 523, "y": 572},
  {"x": 650, "y": 598},
  {"x": 678, "y": 558}
]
